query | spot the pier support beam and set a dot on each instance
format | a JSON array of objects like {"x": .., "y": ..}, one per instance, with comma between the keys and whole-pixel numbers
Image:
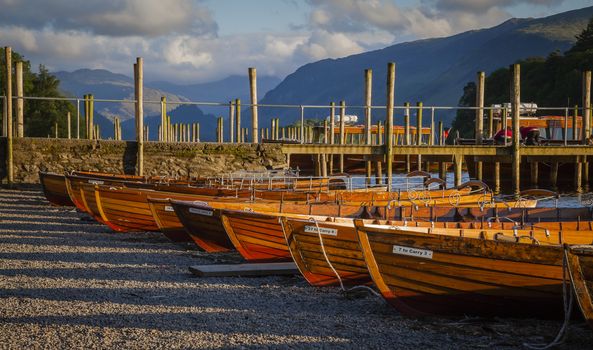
[
  {"x": 534, "y": 167},
  {"x": 238, "y": 119},
  {"x": 496, "y": 177},
  {"x": 379, "y": 164},
  {"x": 389, "y": 123},
  {"x": 458, "y": 166},
  {"x": 554, "y": 175},
  {"x": 516, "y": 147},
  {"x": 578, "y": 176}
]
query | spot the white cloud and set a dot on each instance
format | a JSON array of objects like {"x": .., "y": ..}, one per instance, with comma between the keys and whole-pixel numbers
[{"x": 111, "y": 17}]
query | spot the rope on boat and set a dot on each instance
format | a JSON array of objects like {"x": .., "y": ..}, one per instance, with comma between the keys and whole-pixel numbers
[
  {"x": 567, "y": 298},
  {"x": 371, "y": 290}
]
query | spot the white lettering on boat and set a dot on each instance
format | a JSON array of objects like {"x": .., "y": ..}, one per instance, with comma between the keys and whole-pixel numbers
[
  {"x": 96, "y": 182},
  {"x": 419, "y": 253},
  {"x": 322, "y": 230},
  {"x": 169, "y": 208},
  {"x": 201, "y": 203},
  {"x": 200, "y": 211}
]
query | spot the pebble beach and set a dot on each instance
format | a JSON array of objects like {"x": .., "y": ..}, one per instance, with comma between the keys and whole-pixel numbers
[{"x": 67, "y": 281}]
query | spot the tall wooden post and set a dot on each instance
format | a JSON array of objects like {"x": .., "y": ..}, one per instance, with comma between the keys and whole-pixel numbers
[
  {"x": 575, "y": 121},
  {"x": 479, "y": 130},
  {"x": 231, "y": 122},
  {"x": 586, "y": 118},
  {"x": 342, "y": 130},
  {"x": 389, "y": 123},
  {"x": 91, "y": 115},
  {"x": 8, "y": 102},
  {"x": 490, "y": 123},
  {"x": 86, "y": 115},
  {"x": 139, "y": 83},
  {"x": 332, "y": 123},
  {"x": 516, "y": 105},
  {"x": 407, "y": 136},
  {"x": 368, "y": 90},
  {"x": 419, "y": 131},
  {"x": 68, "y": 126},
  {"x": 20, "y": 103},
  {"x": 253, "y": 86},
  {"x": 238, "y": 119},
  {"x": 162, "y": 136},
  {"x": 277, "y": 136},
  {"x": 379, "y": 164},
  {"x": 586, "y": 92}
]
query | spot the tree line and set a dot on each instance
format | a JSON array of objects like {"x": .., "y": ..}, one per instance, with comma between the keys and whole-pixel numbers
[{"x": 553, "y": 81}]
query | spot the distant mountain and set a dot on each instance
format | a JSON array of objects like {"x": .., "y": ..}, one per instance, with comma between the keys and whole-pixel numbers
[
  {"x": 433, "y": 71},
  {"x": 230, "y": 88},
  {"x": 104, "y": 84},
  {"x": 185, "y": 114}
]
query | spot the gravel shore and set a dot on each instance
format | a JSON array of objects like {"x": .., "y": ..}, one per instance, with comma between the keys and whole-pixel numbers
[{"x": 69, "y": 282}]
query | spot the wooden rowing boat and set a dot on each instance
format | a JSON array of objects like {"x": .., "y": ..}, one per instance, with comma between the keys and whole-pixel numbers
[
  {"x": 579, "y": 259},
  {"x": 167, "y": 221},
  {"x": 54, "y": 188},
  {"x": 326, "y": 252},
  {"x": 203, "y": 221},
  {"x": 482, "y": 272}
]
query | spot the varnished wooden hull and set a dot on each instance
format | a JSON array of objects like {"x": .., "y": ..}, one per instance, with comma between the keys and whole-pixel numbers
[
  {"x": 258, "y": 237},
  {"x": 204, "y": 225},
  {"x": 167, "y": 221},
  {"x": 580, "y": 266},
  {"x": 125, "y": 210},
  {"x": 54, "y": 189},
  {"x": 326, "y": 252},
  {"x": 423, "y": 274}
]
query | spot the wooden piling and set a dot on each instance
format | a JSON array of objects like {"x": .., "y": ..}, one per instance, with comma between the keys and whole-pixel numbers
[
  {"x": 578, "y": 176},
  {"x": 91, "y": 114},
  {"x": 368, "y": 91},
  {"x": 342, "y": 130},
  {"x": 586, "y": 117},
  {"x": 407, "y": 136},
  {"x": 162, "y": 135},
  {"x": 332, "y": 124},
  {"x": 198, "y": 131},
  {"x": 490, "y": 123},
  {"x": 479, "y": 130},
  {"x": 554, "y": 175},
  {"x": 379, "y": 164},
  {"x": 139, "y": 84},
  {"x": 56, "y": 129},
  {"x": 516, "y": 104},
  {"x": 238, "y": 119},
  {"x": 496, "y": 177},
  {"x": 442, "y": 166},
  {"x": 389, "y": 123},
  {"x": 231, "y": 122},
  {"x": 86, "y": 115},
  {"x": 534, "y": 167},
  {"x": 253, "y": 89},
  {"x": 68, "y": 127},
  {"x": 8, "y": 103},
  {"x": 20, "y": 103},
  {"x": 277, "y": 135},
  {"x": 419, "y": 132},
  {"x": 458, "y": 166},
  {"x": 575, "y": 129}
]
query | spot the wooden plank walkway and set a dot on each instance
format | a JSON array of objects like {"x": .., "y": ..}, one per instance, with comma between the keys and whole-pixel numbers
[{"x": 261, "y": 269}]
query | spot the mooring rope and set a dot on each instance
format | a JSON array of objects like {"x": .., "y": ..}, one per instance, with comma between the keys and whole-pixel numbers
[
  {"x": 372, "y": 291},
  {"x": 567, "y": 298}
]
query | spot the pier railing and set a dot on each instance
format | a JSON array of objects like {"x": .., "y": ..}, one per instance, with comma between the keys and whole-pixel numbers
[{"x": 299, "y": 138}]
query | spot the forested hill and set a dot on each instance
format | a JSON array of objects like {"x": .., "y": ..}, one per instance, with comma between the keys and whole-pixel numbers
[{"x": 433, "y": 71}]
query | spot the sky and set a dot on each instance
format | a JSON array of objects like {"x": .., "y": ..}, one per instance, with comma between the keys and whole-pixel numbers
[{"x": 192, "y": 41}]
